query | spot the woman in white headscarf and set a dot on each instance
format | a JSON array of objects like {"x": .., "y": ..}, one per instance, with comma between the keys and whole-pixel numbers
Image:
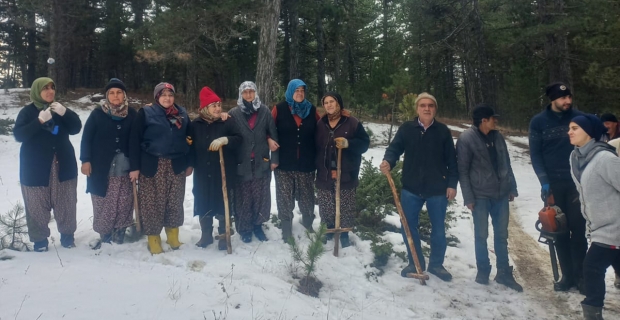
[{"x": 252, "y": 193}]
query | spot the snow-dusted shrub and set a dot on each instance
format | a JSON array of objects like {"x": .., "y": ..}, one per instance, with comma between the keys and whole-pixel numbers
[{"x": 13, "y": 229}]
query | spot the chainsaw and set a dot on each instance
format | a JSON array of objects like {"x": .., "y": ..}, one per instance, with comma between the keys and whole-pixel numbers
[{"x": 551, "y": 224}]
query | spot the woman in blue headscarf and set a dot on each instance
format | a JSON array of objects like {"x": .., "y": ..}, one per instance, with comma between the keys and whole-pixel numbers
[{"x": 296, "y": 120}]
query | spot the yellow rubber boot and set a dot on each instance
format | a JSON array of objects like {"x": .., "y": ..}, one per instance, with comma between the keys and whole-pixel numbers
[
  {"x": 155, "y": 244},
  {"x": 173, "y": 238}
]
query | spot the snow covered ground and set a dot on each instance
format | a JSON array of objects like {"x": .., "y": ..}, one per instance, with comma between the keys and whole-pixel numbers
[{"x": 255, "y": 282}]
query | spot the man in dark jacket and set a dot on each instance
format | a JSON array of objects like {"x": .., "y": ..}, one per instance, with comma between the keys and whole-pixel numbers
[
  {"x": 430, "y": 176},
  {"x": 488, "y": 183},
  {"x": 550, "y": 151}
]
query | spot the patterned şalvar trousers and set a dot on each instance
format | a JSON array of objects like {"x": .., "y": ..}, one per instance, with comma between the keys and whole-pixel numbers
[
  {"x": 114, "y": 210},
  {"x": 160, "y": 199},
  {"x": 39, "y": 201}
]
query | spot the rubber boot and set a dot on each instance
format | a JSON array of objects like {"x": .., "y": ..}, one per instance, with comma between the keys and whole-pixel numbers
[
  {"x": 172, "y": 235},
  {"x": 67, "y": 240},
  {"x": 592, "y": 313},
  {"x": 504, "y": 276},
  {"x": 408, "y": 269},
  {"x": 118, "y": 235},
  {"x": 258, "y": 232},
  {"x": 344, "y": 240},
  {"x": 617, "y": 281},
  {"x": 482, "y": 277},
  {"x": 287, "y": 229},
  {"x": 307, "y": 221},
  {"x": 221, "y": 230},
  {"x": 41, "y": 246},
  {"x": 103, "y": 238},
  {"x": 206, "y": 226},
  {"x": 154, "y": 245}
]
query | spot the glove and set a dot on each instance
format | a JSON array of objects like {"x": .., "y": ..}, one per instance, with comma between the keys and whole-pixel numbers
[
  {"x": 341, "y": 143},
  {"x": 45, "y": 115},
  {"x": 58, "y": 108},
  {"x": 218, "y": 143},
  {"x": 545, "y": 192}
]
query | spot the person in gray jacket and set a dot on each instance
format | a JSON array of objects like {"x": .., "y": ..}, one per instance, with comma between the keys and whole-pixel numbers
[
  {"x": 594, "y": 168},
  {"x": 252, "y": 193},
  {"x": 488, "y": 184}
]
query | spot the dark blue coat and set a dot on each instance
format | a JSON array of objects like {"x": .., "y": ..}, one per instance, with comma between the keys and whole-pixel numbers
[
  {"x": 550, "y": 146},
  {"x": 39, "y": 146}
]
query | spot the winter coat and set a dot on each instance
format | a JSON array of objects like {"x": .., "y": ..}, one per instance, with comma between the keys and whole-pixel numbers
[
  {"x": 39, "y": 146},
  {"x": 208, "y": 197},
  {"x": 327, "y": 153},
  {"x": 550, "y": 146},
  {"x": 599, "y": 190},
  {"x": 477, "y": 175},
  {"x": 297, "y": 145},
  {"x": 154, "y": 137},
  {"x": 254, "y": 140},
  {"x": 430, "y": 165},
  {"x": 102, "y": 140}
]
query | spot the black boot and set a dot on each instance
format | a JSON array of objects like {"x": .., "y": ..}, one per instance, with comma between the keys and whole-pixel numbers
[
  {"x": 328, "y": 237},
  {"x": 344, "y": 240},
  {"x": 408, "y": 269},
  {"x": 482, "y": 277},
  {"x": 258, "y": 232},
  {"x": 306, "y": 221},
  {"x": 103, "y": 238},
  {"x": 67, "y": 240},
  {"x": 504, "y": 276},
  {"x": 245, "y": 236},
  {"x": 287, "y": 229},
  {"x": 41, "y": 246},
  {"x": 206, "y": 226},
  {"x": 617, "y": 281},
  {"x": 440, "y": 272},
  {"x": 564, "y": 284},
  {"x": 592, "y": 313},
  {"x": 118, "y": 235}
]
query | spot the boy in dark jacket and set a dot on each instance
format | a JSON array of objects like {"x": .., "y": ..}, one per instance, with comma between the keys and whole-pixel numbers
[
  {"x": 430, "y": 176},
  {"x": 488, "y": 184}
]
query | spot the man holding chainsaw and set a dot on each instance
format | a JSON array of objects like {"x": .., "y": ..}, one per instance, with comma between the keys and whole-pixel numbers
[
  {"x": 488, "y": 184},
  {"x": 430, "y": 176},
  {"x": 550, "y": 151}
]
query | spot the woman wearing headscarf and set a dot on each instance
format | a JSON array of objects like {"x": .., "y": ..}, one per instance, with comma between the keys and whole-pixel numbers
[
  {"x": 47, "y": 165},
  {"x": 295, "y": 120},
  {"x": 209, "y": 133},
  {"x": 158, "y": 149},
  {"x": 338, "y": 130},
  {"x": 105, "y": 161},
  {"x": 252, "y": 193},
  {"x": 594, "y": 168}
]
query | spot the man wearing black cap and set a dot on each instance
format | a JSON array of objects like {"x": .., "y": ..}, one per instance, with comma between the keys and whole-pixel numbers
[
  {"x": 550, "y": 151},
  {"x": 488, "y": 184}
]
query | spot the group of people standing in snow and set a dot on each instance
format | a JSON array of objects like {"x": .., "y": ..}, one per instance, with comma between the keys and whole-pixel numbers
[{"x": 159, "y": 146}]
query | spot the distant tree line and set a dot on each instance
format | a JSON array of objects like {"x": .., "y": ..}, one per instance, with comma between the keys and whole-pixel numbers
[{"x": 374, "y": 52}]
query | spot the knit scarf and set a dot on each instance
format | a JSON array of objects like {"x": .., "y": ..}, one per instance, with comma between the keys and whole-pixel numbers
[
  {"x": 116, "y": 112},
  {"x": 581, "y": 156},
  {"x": 35, "y": 92},
  {"x": 172, "y": 114}
]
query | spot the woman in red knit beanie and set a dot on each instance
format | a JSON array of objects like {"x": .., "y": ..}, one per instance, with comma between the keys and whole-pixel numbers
[{"x": 209, "y": 133}]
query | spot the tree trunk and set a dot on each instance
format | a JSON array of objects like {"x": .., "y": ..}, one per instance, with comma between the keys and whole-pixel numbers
[
  {"x": 267, "y": 50},
  {"x": 320, "y": 51},
  {"x": 31, "y": 59},
  {"x": 556, "y": 44},
  {"x": 293, "y": 20},
  {"x": 60, "y": 45}
]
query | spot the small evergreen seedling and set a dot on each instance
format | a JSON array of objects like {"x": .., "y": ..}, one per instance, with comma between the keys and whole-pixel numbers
[
  {"x": 13, "y": 229},
  {"x": 309, "y": 284}
]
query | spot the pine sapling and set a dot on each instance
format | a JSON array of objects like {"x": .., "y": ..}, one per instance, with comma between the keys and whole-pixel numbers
[
  {"x": 13, "y": 229},
  {"x": 309, "y": 258}
]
